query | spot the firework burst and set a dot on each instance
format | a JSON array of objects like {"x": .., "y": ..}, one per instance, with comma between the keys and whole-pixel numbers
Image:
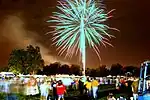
[{"x": 80, "y": 23}]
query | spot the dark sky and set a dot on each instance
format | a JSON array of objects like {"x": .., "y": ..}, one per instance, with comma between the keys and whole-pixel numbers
[{"x": 22, "y": 22}]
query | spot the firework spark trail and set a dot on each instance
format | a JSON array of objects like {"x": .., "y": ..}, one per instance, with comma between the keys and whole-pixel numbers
[{"x": 78, "y": 22}]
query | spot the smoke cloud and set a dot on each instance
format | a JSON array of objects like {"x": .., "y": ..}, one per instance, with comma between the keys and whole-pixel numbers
[{"x": 15, "y": 34}]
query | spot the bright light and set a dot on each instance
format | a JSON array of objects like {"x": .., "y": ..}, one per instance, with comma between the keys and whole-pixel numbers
[{"x": 79, "y": 22}]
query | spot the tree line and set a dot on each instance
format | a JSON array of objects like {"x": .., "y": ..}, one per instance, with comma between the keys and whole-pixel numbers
[
  {"x": 29, "y": 61},
  {"x": 116, "y": 69}
]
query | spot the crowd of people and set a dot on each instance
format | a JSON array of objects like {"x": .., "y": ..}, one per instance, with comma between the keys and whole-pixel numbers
[
  {"x": 56, "y": 88},
  {"x": 128, "y": 86},
  {"x": 47, "y": 88}
]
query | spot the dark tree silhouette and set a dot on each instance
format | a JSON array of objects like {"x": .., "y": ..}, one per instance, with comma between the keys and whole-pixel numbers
[
  {"x": 103, "y": 71},
  {"x": 116, "y": 69},
  {"x": 88, "y": 71},
  {"x": 93, "y": 73},
  {"x": 75, "y": 69},
  {"x": 65, "y": 69},
  {"x": 132, "y": 69},
  {"x": 25, "y": 61}
]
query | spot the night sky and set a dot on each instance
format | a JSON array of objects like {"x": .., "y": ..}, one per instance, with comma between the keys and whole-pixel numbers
[{"x": 23, "y": 22}]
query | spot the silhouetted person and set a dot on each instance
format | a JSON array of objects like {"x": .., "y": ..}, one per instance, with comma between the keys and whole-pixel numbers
[
  {"x": 54, "y": 83},
  {"x": 81, "y": 86},
  {"x": 128, "y": 90}
]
